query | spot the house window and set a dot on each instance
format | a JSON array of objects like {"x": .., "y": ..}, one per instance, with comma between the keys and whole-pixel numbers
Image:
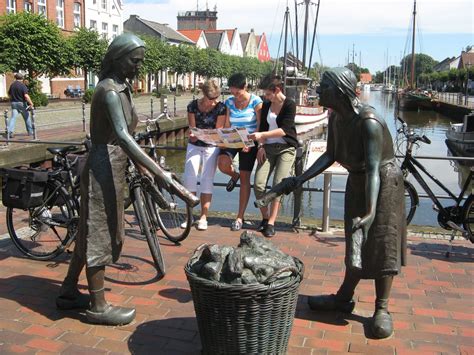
[
  {"x": 114, "y": 31},
  {"x": 77, "y": 14},
  {"x": 11, "y": 6},
  {"x": 93, "y": 25},
  {"x": 105, "y": 29},
  {"x": 42, "y": 7},
  {"x": 28, "y": 7},
  {"x": 60, "y": 13},
  {"x": 103, "y": 4}
]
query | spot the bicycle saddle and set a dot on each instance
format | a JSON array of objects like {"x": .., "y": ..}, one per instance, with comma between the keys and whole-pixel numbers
[{"x": 61, "y": 150}]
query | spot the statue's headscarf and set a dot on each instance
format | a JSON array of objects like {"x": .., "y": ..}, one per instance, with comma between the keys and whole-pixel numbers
[
  {"x": 345, "y": 80},
  {"x": 121, "y": 45}
]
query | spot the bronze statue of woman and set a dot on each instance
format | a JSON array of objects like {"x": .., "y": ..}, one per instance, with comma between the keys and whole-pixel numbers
[
  {"x": 100, "y": 232},
  {"x": 374, "y": 212}
]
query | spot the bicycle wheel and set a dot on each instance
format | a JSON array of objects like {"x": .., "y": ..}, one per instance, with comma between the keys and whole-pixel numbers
[
  {"x": 175, "y": 222},
  {"x": 43, "y": 232},
  {"x": 468, "y": 216},
  {"x": 411, "y": 201},
  {"x": 147, "y": 227}
]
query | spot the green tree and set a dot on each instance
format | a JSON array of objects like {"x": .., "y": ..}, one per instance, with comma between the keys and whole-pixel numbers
[
  {"x": 31, "y": 43},
  {"x": 423, "y": 64},
  {"x": 87, "y": 48}
]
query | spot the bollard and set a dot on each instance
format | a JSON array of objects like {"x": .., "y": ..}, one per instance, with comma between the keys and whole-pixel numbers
[
  {"x": 151, "y": 108},
  {"x": 326, "y": 200},
  {"x": 174, "y": 105},
  {"x": 5, "y": 115},
  {"x": 84, "y": 117},
  {"x": 33, "y": 123}
]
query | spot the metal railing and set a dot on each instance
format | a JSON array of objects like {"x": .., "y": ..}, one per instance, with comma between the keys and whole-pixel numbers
[
  {"x": 456, "y": 98},
  {"x": 84, "y": 114},
  {"x": 327, "y": 189}
]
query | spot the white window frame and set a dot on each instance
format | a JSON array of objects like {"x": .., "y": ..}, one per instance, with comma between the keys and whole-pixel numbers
[
  {"x": 42, "y": 7},
  {"x": 115, "y": 30},
  {"x": 77, "y": 14},
  {"x": 93, "y": 25},
  {"x": 105, "y": 30},
  {"x": 103, "y": 4},
  {"x": 28, "y": 6},
  {"x": 11, "y": 6},
  {"x": 60, "y": 13}
]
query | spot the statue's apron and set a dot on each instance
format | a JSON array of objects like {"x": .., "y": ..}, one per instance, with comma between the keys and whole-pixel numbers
[{"x": 100, "y": 234}]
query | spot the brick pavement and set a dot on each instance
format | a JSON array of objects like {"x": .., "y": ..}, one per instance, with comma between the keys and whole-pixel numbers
[{"x": 432, "y": 300}]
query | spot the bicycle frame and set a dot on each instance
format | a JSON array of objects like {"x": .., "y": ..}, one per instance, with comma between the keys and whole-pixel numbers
[{"x": 411, "y": 164}]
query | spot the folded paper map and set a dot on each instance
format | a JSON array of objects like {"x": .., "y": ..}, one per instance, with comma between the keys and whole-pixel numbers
[{"x": 235, "y": 137}]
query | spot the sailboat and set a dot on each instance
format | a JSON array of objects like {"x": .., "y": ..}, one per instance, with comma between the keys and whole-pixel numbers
[
  {"x": 310, "y": 117},
  {"x": 409, "y": 99}
]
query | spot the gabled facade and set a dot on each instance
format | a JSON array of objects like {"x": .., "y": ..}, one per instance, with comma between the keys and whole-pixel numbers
[
  {"x": 235, "y": 43},
  {"x": 219, "y": 40},
  {"x": 249, "y": 44},
  {"x": 466, "y": 60},
  {"x": 197, "y": 36},
  {"x": 263, "y": 52},
  {"x": 137, "y": 25}
]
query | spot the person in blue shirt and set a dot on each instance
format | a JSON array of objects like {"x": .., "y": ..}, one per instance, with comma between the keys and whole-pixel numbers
[{"x": 243, "y": 110}]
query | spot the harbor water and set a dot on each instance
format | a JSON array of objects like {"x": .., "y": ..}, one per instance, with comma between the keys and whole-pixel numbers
[{"x": 429, "y": 123}]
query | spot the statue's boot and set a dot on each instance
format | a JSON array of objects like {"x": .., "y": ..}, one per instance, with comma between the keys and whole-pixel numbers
[
  {"x": 382, "y": 325},
  {"x": 69, "y": 295},
  {"x": 112, "y": 315},
  {"x": 342, "y": 301},
  {"x": 101, "y": 312}
]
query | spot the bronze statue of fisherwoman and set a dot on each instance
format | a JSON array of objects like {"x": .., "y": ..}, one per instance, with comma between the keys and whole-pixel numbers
[{"x": 100, "y": 232}]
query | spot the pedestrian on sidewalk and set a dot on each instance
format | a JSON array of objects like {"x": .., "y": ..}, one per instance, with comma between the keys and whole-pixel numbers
[
  {"x": 20, "y": 104},
  {"x": 206, "y": 112},
  {"x": 277, "y": 145},
  {"x": 243, "y": 110}
]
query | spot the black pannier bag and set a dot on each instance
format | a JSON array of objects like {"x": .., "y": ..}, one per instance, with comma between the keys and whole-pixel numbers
[{"x": 23, "y": 188}]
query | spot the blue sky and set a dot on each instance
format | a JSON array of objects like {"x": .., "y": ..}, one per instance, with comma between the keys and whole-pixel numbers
[{"x": 445, "y": 27}]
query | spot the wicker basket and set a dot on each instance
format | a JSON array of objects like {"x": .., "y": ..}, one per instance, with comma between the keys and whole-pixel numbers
[{"x": 245, "y": 319}]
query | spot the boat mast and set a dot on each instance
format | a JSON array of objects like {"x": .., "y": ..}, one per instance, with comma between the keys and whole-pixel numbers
[
  {"x": 296, "y": 34},
  {"x": 285, "y": 55},
  {"x": 306, "y": 14},
  {"x": 314, "y": 38},
  {"x": 412, "y": 78}
]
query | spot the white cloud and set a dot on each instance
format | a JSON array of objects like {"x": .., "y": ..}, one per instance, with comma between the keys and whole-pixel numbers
[{"x": 336, "y": 16}]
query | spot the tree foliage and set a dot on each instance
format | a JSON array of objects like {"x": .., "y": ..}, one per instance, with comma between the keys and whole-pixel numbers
[
  {"x": 87, "y": 48},
  {"x": 423, "y": 64},
  {"x": 31, "y": 43}
]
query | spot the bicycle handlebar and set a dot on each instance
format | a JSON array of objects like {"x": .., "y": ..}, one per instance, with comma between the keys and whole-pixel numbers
[{"x": 410, "y": 135}]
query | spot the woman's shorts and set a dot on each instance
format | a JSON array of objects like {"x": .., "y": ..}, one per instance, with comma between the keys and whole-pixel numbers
[{"x": 246, "y": 160}]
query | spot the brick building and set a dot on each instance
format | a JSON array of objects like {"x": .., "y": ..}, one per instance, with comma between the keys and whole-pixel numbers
[{"x": 67, "y": 14}]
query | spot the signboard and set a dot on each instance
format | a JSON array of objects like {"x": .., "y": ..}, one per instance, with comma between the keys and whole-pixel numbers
[{"x": 316, "y": 148}]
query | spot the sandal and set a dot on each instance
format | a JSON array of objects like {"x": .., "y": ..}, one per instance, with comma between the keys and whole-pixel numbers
[{"x": 231, "y": 184}]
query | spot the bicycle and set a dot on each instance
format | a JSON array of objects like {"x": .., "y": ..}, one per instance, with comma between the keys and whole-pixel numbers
[
  {"x": 458, "y": 217},
  {"x": 43, "y": 229},
  {"x": 175, "y": 219}
]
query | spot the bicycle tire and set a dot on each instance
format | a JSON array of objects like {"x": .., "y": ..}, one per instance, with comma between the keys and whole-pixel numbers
[
  {"x": 175, "y": 222},
  {"x": 43, "y": 232},
  {"x": 411, "y": 201},
  {"x": 468, "y": 216},
  {"x": 148, "y": 229}
]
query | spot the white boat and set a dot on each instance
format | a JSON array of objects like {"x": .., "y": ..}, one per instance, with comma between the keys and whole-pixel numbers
[
  {"x": 309, "y": 118},
  {"x": 460, "y": 138}
]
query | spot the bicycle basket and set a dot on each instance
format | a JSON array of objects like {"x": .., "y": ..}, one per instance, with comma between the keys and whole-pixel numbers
[{"x": 23, "y": 188}]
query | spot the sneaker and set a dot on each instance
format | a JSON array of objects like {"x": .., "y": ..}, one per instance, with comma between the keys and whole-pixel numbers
[
  {"x": 185, "y": 224},
  {"x": 236, "y": 225},
  {"x": 201, "y": 225}
]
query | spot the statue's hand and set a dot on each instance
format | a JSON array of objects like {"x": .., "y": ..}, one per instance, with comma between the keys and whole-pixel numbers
[
  {"x": 289, "y": 184},
  {"x": 365, "y": 223}
]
